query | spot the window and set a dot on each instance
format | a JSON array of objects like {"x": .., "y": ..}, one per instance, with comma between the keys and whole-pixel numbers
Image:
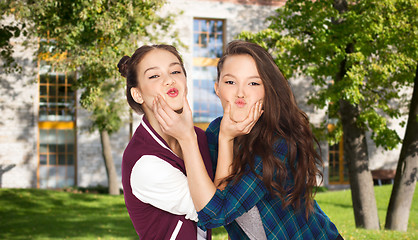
[
  {"x": 56, "y": 158},
  {"x": 338, "y": 169},
  {"x": 56, "y": 100},
  {"x": 57, "y": 138},
  {"x": 208, "y": 46}
]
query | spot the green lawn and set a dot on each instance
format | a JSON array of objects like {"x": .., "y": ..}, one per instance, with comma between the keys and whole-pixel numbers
[
  {"x": 337, "y": 205},
  {"x": 45, "y": 214}
]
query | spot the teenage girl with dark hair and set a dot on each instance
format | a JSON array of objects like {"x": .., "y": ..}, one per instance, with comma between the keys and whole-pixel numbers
[
  {"x": 264, "y": 151},
  {"x": 153, "y": 173}
]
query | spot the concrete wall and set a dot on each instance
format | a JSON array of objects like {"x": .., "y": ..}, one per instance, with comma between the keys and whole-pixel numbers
[
  {"x": 19, "y": 101},
  {"x": 239, "y": 16},
  {"x": 90, "y": 164},
  {"x": 18, "y": 120},
  {"x": 388, "y": 159}
]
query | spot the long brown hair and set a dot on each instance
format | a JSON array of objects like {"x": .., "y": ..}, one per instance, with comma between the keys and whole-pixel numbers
[
  {"x": 128, "y": 69},
  {"x": 281, "y": 118}
]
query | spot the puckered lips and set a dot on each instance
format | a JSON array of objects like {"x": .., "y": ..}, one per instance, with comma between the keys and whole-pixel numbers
[
  {"x": 240, "y": 103},
  {"x": 173, "y": 92}
]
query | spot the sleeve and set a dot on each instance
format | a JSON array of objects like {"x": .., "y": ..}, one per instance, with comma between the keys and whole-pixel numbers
[
  {"x": 236, "y": 199},
  {"x": 212, "y": 135},
  {"x": 156, "y": 182},
  {"x": 204, "y": 151}
]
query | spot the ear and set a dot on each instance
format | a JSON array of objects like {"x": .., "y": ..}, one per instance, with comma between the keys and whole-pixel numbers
[
  {"x": 216, "y": 86},
  {"x": 136, "y": 95}
]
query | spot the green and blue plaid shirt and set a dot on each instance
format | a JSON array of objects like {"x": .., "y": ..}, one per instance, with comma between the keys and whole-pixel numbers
[{"x": 236, "y": 199}]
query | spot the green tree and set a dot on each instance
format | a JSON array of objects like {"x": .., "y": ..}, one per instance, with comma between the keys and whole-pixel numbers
[
  {"x": 8, "y": 30},
  {"x": 405, "y": 38},
  {"x": 360, "y": 55},
  {"x": 94, "y": 35}
]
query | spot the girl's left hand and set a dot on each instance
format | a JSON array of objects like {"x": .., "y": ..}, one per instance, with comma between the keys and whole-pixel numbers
[
  {"x": 179, "y": 126},
  {"x": 230, "y": 129}
]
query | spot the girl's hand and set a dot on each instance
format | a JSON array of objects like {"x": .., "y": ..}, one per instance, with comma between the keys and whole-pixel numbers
[
  {"x": 179, "y": 126},
  {"x": 230, "y": 129}
]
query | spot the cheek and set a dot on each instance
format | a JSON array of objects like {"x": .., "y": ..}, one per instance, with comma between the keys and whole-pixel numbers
[
  {"x": 149, "y": 93},
  {"x": 260, "y": 95},
  {"x": 181, "y": 79},
  {"x": 224, "y": 98},
  {"x": 225, "y": 95}
]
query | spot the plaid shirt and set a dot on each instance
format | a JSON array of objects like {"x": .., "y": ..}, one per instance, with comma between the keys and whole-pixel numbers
[{"x": 236, "y": 199}]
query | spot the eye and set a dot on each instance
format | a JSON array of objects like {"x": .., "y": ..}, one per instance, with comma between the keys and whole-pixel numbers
[
  {"x": 254, "y": 84},
  {"x": 176, "y": 72},
  {"x": 230, "y": 82},
  {"x": 153, "y": 76}
]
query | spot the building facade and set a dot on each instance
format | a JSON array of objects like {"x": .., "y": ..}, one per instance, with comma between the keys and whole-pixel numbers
[{"x": 44, "y": 137}]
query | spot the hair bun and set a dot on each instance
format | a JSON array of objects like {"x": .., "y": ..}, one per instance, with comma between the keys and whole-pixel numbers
[{"x": 122, "y": 65}]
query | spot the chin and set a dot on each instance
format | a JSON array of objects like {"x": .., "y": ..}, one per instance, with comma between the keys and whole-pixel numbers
[
  {"x": 239, "y": 115},
  {"x": 177, "y": 107}
]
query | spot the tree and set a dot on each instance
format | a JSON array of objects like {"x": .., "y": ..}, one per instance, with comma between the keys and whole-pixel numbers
[
  {"x": 359, "y": 66},
  {"x": 7, "y": 32},
  {"x": 94, "y": 35},
  {"x": 407, "y": 169}
]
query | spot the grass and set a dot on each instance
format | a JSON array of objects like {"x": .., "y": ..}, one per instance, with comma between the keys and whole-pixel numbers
[
  {"x": 337, "y": 205},
  {"x": 47, "y": 214}
]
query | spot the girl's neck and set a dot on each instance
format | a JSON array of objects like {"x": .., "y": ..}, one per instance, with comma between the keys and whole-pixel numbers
[{"x": 172, "y": 142}]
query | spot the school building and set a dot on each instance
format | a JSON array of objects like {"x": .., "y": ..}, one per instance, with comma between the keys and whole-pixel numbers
[{"x": 44, "y": 137}]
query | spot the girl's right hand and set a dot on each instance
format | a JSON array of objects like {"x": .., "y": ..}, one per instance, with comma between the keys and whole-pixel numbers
[
  {"x": 178, "y": 125},
  {"x": 230, "y": 129}
]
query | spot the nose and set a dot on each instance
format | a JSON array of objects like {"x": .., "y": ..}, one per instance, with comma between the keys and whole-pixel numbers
[
  {"x": 169, "y": 80},
  {"x": 240, "y": 92}
]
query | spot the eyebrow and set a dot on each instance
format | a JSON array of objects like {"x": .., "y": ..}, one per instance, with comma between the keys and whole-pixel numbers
[
  {"x": 233, "y": 76},
  {"x": 156, "y": 67}
]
